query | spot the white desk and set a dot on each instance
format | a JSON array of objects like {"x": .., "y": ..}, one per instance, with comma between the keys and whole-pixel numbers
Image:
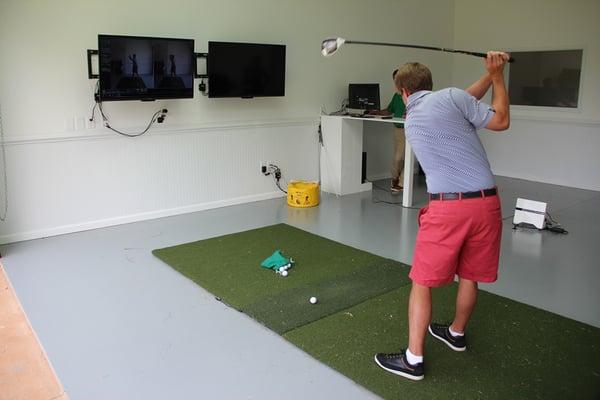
[{"x": 341, "y": 156}]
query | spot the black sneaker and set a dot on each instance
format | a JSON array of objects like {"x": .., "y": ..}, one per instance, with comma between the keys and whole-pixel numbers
[
  {"x": 442, "y": 332},
  {"x": 396, "y": 363}
]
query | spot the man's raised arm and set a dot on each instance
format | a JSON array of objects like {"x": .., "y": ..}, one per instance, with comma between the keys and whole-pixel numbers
[{"x": 494, "y": 64}]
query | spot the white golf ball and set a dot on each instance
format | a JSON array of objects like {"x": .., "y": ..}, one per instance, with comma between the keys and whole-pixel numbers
[
  {"x": 313, "y": 300},
  {"x": 284, "y": 273},
  {"x": 281, "y": 269}
]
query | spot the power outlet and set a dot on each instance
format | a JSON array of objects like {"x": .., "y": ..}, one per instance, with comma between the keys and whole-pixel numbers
[{"x": 265, "y": 167}]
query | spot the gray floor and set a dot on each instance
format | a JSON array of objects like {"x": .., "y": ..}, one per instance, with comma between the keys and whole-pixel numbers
[{"x": 119, "y": 324}]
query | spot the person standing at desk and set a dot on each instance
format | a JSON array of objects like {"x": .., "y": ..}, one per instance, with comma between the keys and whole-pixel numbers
[{"x": 397, "y": 109}]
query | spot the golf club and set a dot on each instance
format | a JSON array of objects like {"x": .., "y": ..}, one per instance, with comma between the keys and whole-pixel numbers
[{"x": 331, "y": 45}]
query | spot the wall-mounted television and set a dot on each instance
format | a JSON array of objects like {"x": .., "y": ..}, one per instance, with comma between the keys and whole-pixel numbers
[
  {"x": 245, "y": 70},
  {"x": 145, "y": 68}
]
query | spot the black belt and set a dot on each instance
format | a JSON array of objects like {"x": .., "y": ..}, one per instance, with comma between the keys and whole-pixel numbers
[{"x": 465, "y": 195}]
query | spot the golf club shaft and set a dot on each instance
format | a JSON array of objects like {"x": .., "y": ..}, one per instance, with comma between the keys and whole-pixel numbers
[{"x": 471, "y": 53}]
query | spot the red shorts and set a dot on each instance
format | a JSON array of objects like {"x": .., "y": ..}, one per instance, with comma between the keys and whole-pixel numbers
[{"x": 458, "y": 237}]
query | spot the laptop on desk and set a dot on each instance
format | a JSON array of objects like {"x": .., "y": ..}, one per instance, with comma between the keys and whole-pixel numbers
[{"x": 363, "y": 97}]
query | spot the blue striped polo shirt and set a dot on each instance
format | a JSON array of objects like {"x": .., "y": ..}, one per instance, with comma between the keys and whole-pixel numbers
[{"x": 442, "y": 128}]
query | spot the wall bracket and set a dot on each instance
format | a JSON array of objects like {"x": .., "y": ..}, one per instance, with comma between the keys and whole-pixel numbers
[{"x": 91, "y": 53}]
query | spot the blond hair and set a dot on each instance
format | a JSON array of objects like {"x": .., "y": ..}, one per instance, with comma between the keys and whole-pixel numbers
[{"x": 413, "y": 77}]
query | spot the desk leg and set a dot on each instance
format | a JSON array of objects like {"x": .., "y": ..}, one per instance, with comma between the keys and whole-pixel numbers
[
  {"x": 341, "y": 156},
  {"x": 409, "y": 163}
]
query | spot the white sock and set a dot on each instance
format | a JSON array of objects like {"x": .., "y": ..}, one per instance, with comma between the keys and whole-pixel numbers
[
  {"x": 412, "y": 359},
  {"x": 455, "y": 334}
]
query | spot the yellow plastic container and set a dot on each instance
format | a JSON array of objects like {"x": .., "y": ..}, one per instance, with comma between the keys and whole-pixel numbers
[{"x": 303, "y": 194}]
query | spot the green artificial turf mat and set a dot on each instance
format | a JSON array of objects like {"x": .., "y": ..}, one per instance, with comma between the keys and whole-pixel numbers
[
  {"x": 514, "y": 351},
  {"x": 291, "y": 308},
  {"x": 340, "y": 276}
]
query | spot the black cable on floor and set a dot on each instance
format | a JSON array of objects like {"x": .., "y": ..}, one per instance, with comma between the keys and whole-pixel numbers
[{"x": 378, "y": 200}]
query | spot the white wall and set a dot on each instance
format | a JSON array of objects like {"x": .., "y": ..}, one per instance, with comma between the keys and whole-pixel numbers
[
  {"x": 559, "y": 147},
  {"x": 378, "y": 140},
  {"x": 207, "y": 154}
]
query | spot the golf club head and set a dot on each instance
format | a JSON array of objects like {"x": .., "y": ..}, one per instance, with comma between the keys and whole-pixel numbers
[{"x": 331, "y": 45}]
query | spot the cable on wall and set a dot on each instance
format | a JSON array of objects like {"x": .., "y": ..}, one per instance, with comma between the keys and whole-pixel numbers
[
  {"x": 275, "y": 172},
  {"x": 158, "y": 117}
]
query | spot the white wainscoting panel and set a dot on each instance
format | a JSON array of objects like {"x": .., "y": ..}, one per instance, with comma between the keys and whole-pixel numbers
[{"x": 65, "y": 184}]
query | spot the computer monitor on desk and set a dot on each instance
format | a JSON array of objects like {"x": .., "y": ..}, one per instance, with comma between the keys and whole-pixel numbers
[{"x": 363, "y": 97}]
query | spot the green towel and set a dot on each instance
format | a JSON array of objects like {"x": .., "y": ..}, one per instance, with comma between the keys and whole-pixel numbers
[{"x": 275, "y": 261}]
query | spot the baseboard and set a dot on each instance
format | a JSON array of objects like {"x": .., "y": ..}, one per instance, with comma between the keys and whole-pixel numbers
[{"x": 126, "y": 219}]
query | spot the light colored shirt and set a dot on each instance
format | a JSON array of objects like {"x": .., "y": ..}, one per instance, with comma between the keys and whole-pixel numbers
[{"x": 442, "y": 128}]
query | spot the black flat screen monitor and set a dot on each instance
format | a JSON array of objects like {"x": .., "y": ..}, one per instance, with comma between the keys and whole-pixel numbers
[
  {"x": 245, "y": 70},
  {"x": 363, "y": 96},
  {"x": 145, "y": 68}
]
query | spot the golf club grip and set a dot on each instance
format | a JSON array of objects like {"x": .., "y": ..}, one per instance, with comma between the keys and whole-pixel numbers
[{"x": 483, "y": 55}]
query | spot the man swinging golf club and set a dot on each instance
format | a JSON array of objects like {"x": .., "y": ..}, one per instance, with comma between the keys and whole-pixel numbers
[{"x": 460, "y": 229}]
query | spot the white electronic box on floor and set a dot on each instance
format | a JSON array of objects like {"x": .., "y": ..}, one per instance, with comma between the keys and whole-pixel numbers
[{"x": 530, "y": 212}]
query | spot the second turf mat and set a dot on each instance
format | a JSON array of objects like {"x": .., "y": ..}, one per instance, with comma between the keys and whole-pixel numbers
[{"x": 514, "y": 351}]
